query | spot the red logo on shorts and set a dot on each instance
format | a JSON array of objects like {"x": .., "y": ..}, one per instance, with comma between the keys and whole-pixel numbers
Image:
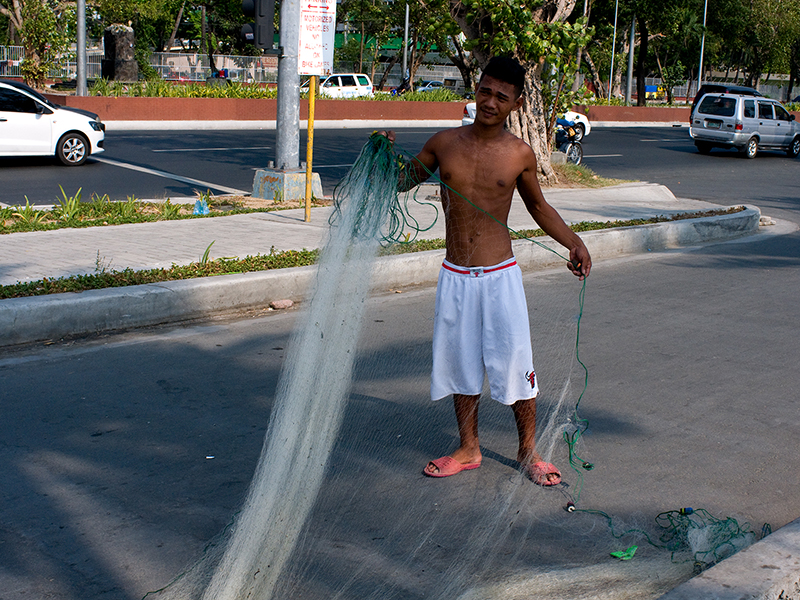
[{"x": 531, "y": 378}]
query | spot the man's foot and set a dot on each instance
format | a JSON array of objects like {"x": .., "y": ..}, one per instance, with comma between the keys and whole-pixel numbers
[
  {"x": 542, "y": 473},
  {"x": 447, "y": 466}
]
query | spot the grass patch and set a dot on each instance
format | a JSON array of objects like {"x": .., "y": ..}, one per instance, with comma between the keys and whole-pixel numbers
[
  {"x": 204, "y": 268},
  {"x": 582, "y": 176},
  {"x": 69, "y": 211},
  {"x": 275, "y": 260}
]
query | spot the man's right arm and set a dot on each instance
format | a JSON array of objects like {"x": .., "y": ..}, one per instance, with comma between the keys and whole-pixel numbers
[{"x": 417, "y": 169}]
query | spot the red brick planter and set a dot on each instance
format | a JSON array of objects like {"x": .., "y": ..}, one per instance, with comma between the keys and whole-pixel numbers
[
  {"x": 652, "y": 114},
  {"x": 241, "y": 109}
]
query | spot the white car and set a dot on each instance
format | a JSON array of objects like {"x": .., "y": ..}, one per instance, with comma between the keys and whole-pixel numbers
[
  {"x": 343, "y": 85},
  {"x": 31, "y": 125},
  {"x": 582, "y": 126},
  {"x": 429, "y": 86}
]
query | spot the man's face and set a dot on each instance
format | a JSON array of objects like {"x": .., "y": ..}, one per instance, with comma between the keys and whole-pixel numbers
[{"x": 494, "y": 100}]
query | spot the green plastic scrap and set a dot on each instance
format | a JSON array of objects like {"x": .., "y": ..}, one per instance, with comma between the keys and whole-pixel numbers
[{"x": 625, "y": 554}]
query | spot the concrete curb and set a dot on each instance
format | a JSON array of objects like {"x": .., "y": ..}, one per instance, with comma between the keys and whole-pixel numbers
[
  {"x": 24, "y": 320},
  {"x": 248, "y": 125},
  {"x": 767, "y": 570},
  {"x": 343, "y": 124}
]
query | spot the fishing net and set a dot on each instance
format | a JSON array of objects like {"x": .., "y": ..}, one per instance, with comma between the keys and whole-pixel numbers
[{"x": 328, "y": 514}]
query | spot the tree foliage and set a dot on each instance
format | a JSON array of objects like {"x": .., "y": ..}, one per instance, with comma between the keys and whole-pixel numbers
[
  {"x": 545, "y": 42},
  {"x": 44, "y": 29}
]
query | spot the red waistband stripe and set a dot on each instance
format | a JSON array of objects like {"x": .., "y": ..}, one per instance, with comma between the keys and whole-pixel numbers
[{"x": 477, "y": 270}]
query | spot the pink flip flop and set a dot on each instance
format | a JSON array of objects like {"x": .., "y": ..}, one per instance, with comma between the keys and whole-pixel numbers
[
  {"x": 448, "y": 466},
  {"x": 539, "y": 471}
]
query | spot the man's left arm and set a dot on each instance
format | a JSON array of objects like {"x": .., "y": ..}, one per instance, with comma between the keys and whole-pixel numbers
[{"x": 550, "y": 221}]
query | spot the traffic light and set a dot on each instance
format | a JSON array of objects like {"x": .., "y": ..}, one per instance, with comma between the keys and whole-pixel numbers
[{"x": 262, "y": 31}]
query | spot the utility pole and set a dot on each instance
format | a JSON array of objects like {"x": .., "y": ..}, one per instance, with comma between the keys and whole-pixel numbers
[
  {"x": 405, "y": 50},
  {"x": 287, "y": 152},
  {"x": 702, "y": 47},
  {"x": 613, "y": 51},
  {"x": 80, "y": 75},
  {"x": 629, "y": 86}
]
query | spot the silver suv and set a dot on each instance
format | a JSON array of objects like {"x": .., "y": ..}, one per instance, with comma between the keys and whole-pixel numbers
[{"x": 746, "y": 123}]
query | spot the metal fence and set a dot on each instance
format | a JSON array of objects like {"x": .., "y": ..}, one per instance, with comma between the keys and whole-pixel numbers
[
  {"x": 180, "y": 66},
  {"x": 10, "y": 61},
  {"x": 170, "y": 65}
]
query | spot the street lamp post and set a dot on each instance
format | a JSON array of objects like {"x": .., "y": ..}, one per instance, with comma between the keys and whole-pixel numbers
[
  {"x": 613, "y": 48},
  {"x": 702, "y": 48},
  {"x": 80, "y": 75}
]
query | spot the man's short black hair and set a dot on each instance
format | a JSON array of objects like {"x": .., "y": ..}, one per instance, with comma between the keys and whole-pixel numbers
[{"x": 508, "y": 70}]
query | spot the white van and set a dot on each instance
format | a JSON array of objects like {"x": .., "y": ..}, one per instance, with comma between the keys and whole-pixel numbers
[
  {"x": 747, "y": 123},
  {"x": 346, "y": 85},
  {"x": 31, "y": 125}
]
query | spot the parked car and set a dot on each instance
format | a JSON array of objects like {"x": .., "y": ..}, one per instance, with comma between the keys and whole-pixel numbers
[
  {"x": 343, "y": 85},
  {"x": 747, "y": 123},
  {"x": 429, "y": 86},
  {"x": 32, "y": 125},
  {"x": 581, "y": 124}
]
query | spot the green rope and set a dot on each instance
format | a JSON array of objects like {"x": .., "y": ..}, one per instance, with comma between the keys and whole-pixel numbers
[{"x": 726, "y": 536}]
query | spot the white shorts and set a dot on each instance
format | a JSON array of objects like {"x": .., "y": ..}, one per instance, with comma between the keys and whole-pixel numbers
[{"x": 481, "y": 328}]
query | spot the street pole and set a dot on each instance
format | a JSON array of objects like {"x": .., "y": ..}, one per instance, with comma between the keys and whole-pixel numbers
[
  {"x": 405, "y": 50},
  {"x": 702, "y": 47},
  {"x": 613, "y": 50},
  {"x": 312, "y": 92},
  {"x": 80, "y": 75},
  {"x": 576, "y": 83},
  {"x": 629, "y": 83},
  {"x": 287, "y": 151}
]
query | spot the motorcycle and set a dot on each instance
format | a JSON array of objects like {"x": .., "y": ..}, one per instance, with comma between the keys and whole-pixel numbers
[{"x": 568, "y": 141}]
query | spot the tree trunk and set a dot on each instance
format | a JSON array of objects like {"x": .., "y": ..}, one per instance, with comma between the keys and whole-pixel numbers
[
  {"x": 529, "y": 123},
  {"x": 203, "y": 41},
  {"x": 392, "y": 62},
  {"x": 599, "y": 89},
  {"x": 465, "y": 63},
  {"x": 641, "y": 65},
  {"x": 171, "y": 41}
]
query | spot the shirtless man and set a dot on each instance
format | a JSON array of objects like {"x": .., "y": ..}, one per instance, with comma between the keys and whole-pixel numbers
[{"x": 481, "y": 323}]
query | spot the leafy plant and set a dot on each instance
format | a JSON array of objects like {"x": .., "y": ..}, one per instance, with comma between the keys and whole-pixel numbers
[
  {"x": 69, "y": 206},
  {"x": 204, "y": 258},
  {"x": 168, "y": 210},
  {"x": 99, "y": 206},
  {"x": 29, "y": 215},
  {"x": 126, "y": 209},
  {"x": 100, "y": 264}
]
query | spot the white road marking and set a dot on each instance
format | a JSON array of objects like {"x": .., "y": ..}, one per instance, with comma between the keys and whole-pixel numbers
[
  {"x": 157, "y": 173},
  {"x": 211, "y": 149}
]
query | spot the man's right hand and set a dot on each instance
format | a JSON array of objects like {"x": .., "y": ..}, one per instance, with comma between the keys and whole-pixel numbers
[{"x": 388, "y": 134}]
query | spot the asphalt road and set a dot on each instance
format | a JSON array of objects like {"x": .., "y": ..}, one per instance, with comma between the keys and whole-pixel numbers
[
  {"x": 124, "y": 455},
  {"x": 228, "y": 159},
  {"x": 156, "y": 164}
]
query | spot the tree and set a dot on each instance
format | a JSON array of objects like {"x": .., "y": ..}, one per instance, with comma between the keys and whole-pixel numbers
[
  {"x": 545, "y": 43},
  {"x": 375, "y": 23},
  {"x": 43, "y": 29}
]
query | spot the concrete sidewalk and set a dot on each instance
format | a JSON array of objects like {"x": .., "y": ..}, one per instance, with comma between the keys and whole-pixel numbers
[
  {"x": 64, "y": 252},
  {"x": 52, "y": 254}
]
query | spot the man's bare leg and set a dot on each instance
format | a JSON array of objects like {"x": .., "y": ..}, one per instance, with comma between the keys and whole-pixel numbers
[
  {"x": 525, "y": 416},
  {"x": 467, "y": 418}
]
